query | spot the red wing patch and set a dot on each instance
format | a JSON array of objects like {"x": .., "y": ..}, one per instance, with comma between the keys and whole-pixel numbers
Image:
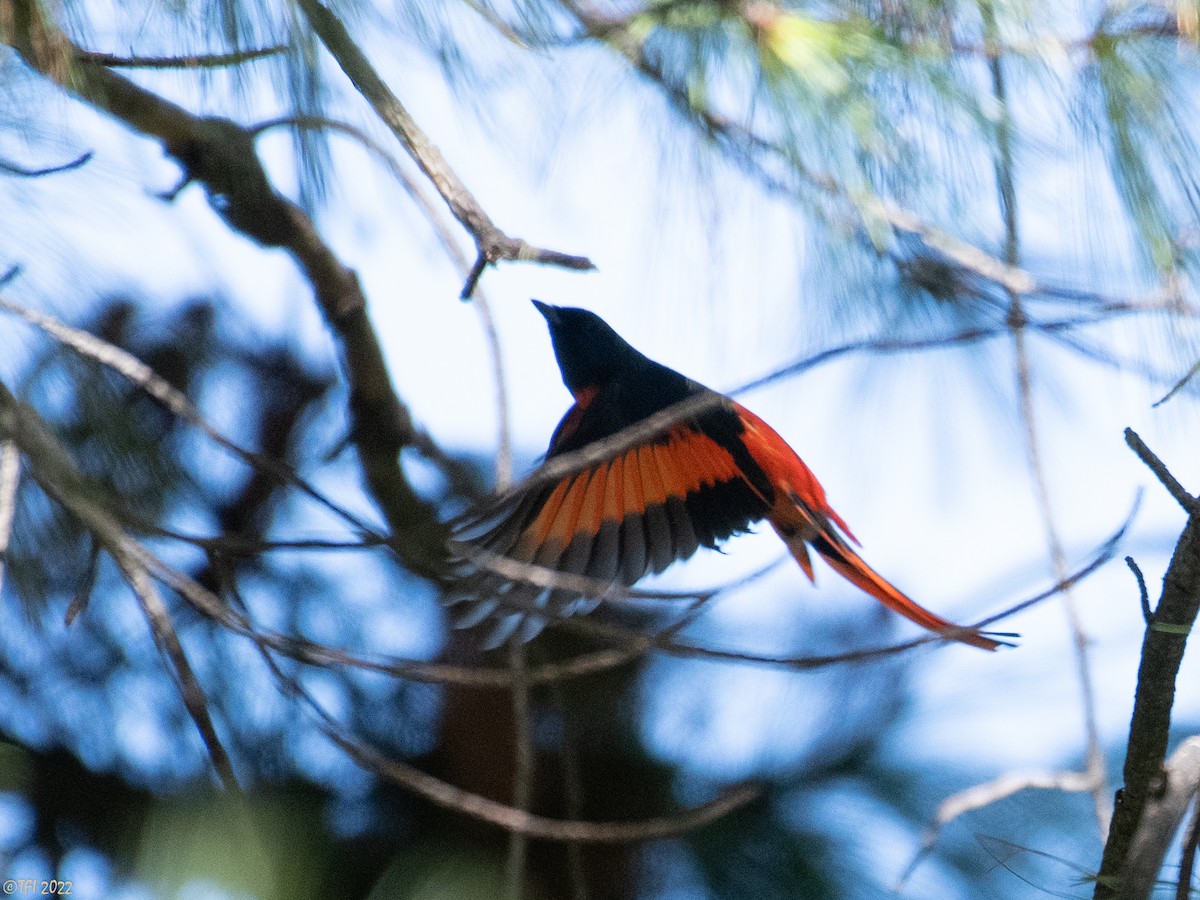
[
  {"x": 642, "y": 479},
  {"x": 664, "y": 498},
  {"x": 574, "y": 416},
  {"x": 786, "y": 469},
  {"x": 639, "y": 512}
]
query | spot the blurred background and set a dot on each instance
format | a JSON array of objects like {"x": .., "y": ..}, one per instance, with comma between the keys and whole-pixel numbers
[{"x": 963, "y": 238}]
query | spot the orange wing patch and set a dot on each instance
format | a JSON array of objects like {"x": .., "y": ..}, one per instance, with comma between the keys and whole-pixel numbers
[
  {"x": 637, "y": 513},
  {"x": 786, "y": 469},
  {"x": 643, "y": 478},
  {"x": 570, "y": 422}
]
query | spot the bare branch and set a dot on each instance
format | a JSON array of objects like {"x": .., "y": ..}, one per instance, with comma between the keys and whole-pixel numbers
[
  {"x": 572, "y": 792},
  {"x": 55, "y": 471},
  {"x": 129, "y": 366},
  {"x": 981, "y": 795},
  {"x": 511, "y": 819},
  {"x": 586, "y": 586},
  {"x": 453, "y": 468},
  {"x": 493, "y": 244},
  {"x": 442, "y": 228},
  {"x": 1161, "y": 818},
  {"x": 14, "y": 169},
  {"x": 1155, "y": 465},
  {"x": 221, "y": 155},
  {"x": 1143, "y": 594},
  {"x": 1016, "y": 284},
  {"x": 1163, "y": 645},
  {"x": 84, "y": 593},
  {"x": 632, "y": 644},
  {"x": 450, "y": 797},
  {"x": 194, "y": 61},
  {"x": 1097, "y": 768},
  {"x": 167, "y": 640},
  {"x": 1178, "y": 385}
]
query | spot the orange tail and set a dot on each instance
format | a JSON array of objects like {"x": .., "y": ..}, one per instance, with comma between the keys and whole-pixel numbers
[
  {"x": 802, "y": 516},
  {"x": 842, "y": 558}
]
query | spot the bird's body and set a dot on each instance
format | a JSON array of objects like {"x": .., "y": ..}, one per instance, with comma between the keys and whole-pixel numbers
[{"x": 653, "y": 500}]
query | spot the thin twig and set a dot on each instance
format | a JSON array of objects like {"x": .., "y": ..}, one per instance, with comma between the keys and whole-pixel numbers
[
  {"x": 979, "y": 796},
  {"x": 632, "y": 644},
  {"x": 436, "y": 217},
  {"x": 448, "y": 796},
  {"x": 493, "y": 244},
  {"x": 1096, "y": 766},
  {"x": 445, "y": 234},
  {"x": 503, "y": 470},
  {"x": 189, "y": 61},
  {"x": 1143, "y": 594},
  {"x": 1155, "y": 465},
  {"x": 14, "y": 169},
  {"x": 584, "y": 585},
  {"x": 167, "y": 640},
  {"x": 503, "y": 816},
  {"x": 1017, "y": 319},
  {"x": 84, "y": 593},
  {"x": 1177, "y": 386},
  {"x": 572, "y": 792},
  {"x": 176, "y": 402},
  {"x": 55, "y": 470}
]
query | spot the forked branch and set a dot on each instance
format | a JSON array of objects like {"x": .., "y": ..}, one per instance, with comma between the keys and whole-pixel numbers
[{"x": 1163, "y": 646}]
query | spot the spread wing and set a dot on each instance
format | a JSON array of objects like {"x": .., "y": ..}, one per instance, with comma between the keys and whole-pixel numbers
[{"x": 654, "y": 503}]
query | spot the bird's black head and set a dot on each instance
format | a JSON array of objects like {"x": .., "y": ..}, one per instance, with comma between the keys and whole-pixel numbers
[{"x": 588, "y": 351}]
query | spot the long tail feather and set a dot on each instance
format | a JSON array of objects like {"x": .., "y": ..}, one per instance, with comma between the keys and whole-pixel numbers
[{"x": 843, "y": 560}]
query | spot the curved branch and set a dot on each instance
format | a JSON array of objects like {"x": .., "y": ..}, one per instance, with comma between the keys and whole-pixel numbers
[
  {"x": 517, "y": 821},
  {"x": 14, "y": 169}
]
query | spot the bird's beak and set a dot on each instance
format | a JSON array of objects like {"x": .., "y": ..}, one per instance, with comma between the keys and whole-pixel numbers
[{"x": 550, "y": 312}]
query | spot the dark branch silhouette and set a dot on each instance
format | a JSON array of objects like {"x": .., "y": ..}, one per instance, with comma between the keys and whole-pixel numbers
[{"x": 1163, "y": 646}]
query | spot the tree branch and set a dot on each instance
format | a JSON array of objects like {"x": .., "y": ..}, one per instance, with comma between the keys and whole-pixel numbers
[
  {"x": 1163, "y": 646},
  {"x": 1161, "y": 818},
  {"x": 511, "y": 819},
  {"x": 55, "y": 471},
  {"x": 978, "y": 796},
  {"x": 14, "y": 169},
  {"x": 1155, "y": 465},
  {"x": 190, "y": 61},
  {"x": 220, "y": 154},
  {"x": 492, "y": 243}
]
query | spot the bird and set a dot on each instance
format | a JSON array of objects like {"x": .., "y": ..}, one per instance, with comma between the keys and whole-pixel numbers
[{"x": 673, "y": 487}]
